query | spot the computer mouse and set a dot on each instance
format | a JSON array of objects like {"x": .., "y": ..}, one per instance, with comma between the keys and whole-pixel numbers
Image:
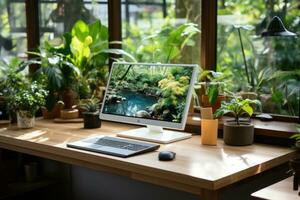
[{"x": 166, "y": 155}]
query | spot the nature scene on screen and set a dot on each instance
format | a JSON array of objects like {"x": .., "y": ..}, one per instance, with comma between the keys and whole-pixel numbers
[{"x": 151, "y": 92}]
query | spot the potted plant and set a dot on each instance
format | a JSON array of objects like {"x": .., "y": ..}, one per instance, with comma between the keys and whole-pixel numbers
[
  {"x": 75, "y": 64},
  {"x": 213, "y": 95},
  {"x": 11, "y": 80},
  {"x": 212, "y": 88},
  {"x": 91, "y": 112},
  {"x": 25, "y": 102},
  {"x": 238, "y": 132}
]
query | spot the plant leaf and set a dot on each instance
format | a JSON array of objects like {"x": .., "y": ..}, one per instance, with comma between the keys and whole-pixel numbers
[
  {"x": 212, "y": 93},
  {"x": 80, "y": 30},
  {"x": 248, "y": 109}
]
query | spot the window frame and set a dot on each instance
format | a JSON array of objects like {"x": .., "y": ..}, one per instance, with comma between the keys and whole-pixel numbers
[{"x": 208, "y": 34}]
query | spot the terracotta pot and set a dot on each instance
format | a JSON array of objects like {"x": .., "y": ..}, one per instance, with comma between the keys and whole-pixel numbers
[
  {"x": 216, "y": 106},
  {"x": 69, "y": 113},
  {"x": 55, "y": 113},
  {"x": 68, "y": 97},
  {"x": 238, "y": 135}
]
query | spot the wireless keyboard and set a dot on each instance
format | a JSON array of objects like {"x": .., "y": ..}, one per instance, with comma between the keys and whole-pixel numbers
[{"x": 113, "y": 146}]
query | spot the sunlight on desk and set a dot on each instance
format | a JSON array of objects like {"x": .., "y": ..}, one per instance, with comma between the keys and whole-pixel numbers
[{"x": 32, "y": 135}]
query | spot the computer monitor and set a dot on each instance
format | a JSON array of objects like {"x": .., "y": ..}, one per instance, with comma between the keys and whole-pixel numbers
[{"x": 155, "y": 95}]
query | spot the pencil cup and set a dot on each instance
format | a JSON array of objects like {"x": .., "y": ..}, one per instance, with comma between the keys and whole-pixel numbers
[{"x": 209, "y": 131}]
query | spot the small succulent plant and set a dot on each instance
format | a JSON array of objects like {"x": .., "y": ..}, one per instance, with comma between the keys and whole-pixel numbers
[{"x": 90, "y": 105}]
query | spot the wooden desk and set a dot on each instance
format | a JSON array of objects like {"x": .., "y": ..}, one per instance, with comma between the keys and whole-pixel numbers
[
  {"x": 278, "y": 191},
  {"x": 198, "y": 169}
]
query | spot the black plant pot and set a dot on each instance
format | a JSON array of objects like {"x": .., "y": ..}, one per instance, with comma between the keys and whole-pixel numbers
[
  {"x": 91, "y": 120},
  {"x": 238, "y": 135}
]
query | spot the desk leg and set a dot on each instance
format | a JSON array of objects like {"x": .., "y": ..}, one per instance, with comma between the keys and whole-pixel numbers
[{"x": 209, "y": 194}]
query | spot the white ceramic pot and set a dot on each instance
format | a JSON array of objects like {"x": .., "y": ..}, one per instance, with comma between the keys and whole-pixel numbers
[{"x": 25, "y": 120}]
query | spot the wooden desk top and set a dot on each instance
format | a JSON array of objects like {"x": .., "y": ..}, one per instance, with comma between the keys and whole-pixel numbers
[
  {"x": 278, "y": 191},
  {"x": 196, "y": 166}
]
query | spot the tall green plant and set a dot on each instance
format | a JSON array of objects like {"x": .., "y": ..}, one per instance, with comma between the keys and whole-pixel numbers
[{"x": 77, "y": 60}]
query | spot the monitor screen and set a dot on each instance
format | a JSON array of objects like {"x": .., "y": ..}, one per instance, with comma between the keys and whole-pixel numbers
[{"x": 149, "y": 94}]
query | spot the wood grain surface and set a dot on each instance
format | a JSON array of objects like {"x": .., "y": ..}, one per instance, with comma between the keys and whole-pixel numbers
[{"x": 196, "y": 169}]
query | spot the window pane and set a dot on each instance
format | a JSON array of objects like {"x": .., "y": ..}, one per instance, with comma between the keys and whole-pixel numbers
[
  {"x": 13, "y": 39},
  {"x": 59, "y": 16},
  {"x": 162, "y": 30},
  {"x": 270, "y": 68}
]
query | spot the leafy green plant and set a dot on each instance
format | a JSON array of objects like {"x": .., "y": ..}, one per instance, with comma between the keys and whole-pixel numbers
[
  {"x": 90, "y": 105},
  {"x": 77, "y": 60},
  {"x": 59, "y": 71},
  {"x": 86, "y": 52},
  {"x": 56, "y": 72},
  {"x": 297, "y": 135},
  {"x": 214, "y": 84},
  {"x": 11, "y": 78},
  {"x": 29, "y": 98},
  {"x": 89, "y": 51},
  {"x": 238, "y": 107}
]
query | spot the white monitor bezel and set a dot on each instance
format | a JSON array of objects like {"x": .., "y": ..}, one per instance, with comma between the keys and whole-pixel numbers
[{"x": 143, "y": 121}]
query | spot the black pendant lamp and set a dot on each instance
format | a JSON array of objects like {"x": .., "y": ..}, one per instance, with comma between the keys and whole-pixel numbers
[{"x": 276, "y": 28}]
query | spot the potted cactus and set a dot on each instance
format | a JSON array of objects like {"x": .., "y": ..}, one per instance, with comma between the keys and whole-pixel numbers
[
  {"x": 91, "y": 108},
  {"x": 238, "y": 132}
]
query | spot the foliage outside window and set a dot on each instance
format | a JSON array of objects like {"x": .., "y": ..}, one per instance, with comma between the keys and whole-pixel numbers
[
  {"x": 273, "y": 63},
  {"x": 163, "y": 33},
  {"x": 13, "y": 39},
  {"x": 59, "y": 16}
]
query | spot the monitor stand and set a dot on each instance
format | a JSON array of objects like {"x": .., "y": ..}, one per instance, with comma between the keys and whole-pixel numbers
[{"x": 155, "y": 134}]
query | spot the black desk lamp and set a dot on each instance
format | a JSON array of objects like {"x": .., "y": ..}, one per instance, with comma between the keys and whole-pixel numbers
[{"x": 276, "y": 28}]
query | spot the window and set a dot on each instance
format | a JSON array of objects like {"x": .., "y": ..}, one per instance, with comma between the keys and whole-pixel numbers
[
  {"x": 162, "y": 30},
  {"x": 59, "y": 16},
  {"x": 13, "y": 39},
  {"x": 263, "y": 56},
  {"x": 270, "y": 68}
]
